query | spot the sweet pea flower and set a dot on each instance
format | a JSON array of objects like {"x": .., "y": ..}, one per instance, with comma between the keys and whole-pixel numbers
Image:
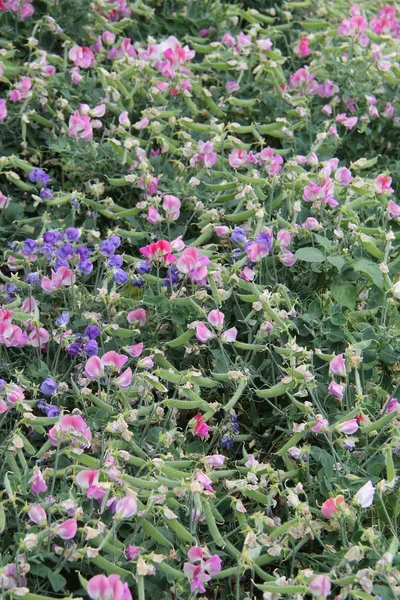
[
  {"x": 302, "y": 48},
  {"x": 336, "y": 389},
  {"x": 171, "y": 205},
  {"x": 37, "y": 515},
  {"x": 201, "y": 428},
  {"x": 338, "y": 366},
  {"x": 137, "y": 316},
  {"x": 393, "y": 210},
  {"x": 135, "y": 350},
  {"x": 125, "y": 508},
  {"x": 215, "y": 460},
  {"x": 125, "y": 379},
  {"x": 320, "y": 425},
  {"x": 3, "y": 110},
  {"x": 101, "y": 587},
  {"x": 72, "y": 428},
  {"x": 348, "y": 427},
  {"x": 382, "y": 184},
  {"x": 320, "y": 586},
  {"x": 159, "y": 252},
  {"x": 331, "y": 506},
  {"x": 204, "y": 156},
  {"x": 82, "y": 57},
  {"x": 203, "y": 334},
  {"x": 86, "y": 478},
  {"x": 365, "y": 495},
  {"x": 216, "y": 318},
  {"x": 80, "y": 126},
  {"x": 68, "y": 529},
  {"x": 194, "y": 265},
  {"x": 153, "y": 216},
  {"x": 391, "y": 405},
  {"x": 37, "y": 483},
  {"x": 200, "y": 571},
  {"x": 229, "y": 335}
]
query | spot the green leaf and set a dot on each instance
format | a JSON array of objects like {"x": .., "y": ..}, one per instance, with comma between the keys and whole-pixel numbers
[
  {"x": 363, "y": 265},
  {"x": 344, "y": 293},
  {"x": 310, "y": 254},
  {"x": 57, "y": 581},
  {"x": 323, "y": 241},
  {"x": 336, "y": 261}
]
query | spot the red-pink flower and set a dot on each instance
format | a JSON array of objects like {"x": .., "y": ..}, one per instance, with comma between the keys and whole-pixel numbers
[
  {"x": 302, "y": 48},
  {"x": 101, "y": 587},
  {"x": 192, "y": 263},
  {"x": 382, "y": 184},
  {"x": 68, "y": 529},
  {"x": 331, "y": 506},
  {"x": 85, "y": 479},
  {"x": 159, "y": 252},
  {"x": 71, "y": 428},
  {"x": 82, "y": 57},
  {"x": 201, "y": 428}
]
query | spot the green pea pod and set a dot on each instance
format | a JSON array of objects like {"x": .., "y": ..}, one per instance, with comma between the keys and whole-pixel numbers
[
  {"x": 257, "y": 496},
  {"x": 390, "y": 470},
  {"x": 2, "y": 519},
  {"x": 214, "y": 290},
  {"x": 184, "y": 404},
  {"x": 100, "y": 403},
  {"x": 204, "y": 236},
  {"x": 221, "y": 187},
  {"x": 140, "y": 482},
  {"x": 171, "y": 377},
  {"x": 283, "y": 528},
  {"x": 191, "y": 395},
  {"x": 245, "y": 346},
  {"x": 204, "y": 382},
  {"x": 169, "y": 571},
  {"x": 87, "y": 461},
  {"x": 236, "y": 397},
  {"x": 245, "y": 102},
  {"x": 27, "y": 445},
  {"x": 279, "y": 389},
  {"x": 12, "y": 463},
  {"x": 154, "y": 533},
  {"x": 41, "y": 120},
  {"x": 215, "y": 475},
  {"x": 181, "y": 531},
  {"x": 211, "y": 524},
  {"x": 30, "y": 596},
  {"x": 313, "y": 24},
  {"x": 282, "y": 589},
  {"x": 231, "y": 572},
  {"x": 119, "y": 182},
  {"x": 110, "y": 568},
  {"x": 131, "y": 235},
  {"x": 181, "y": 340},
  {"x": 370, "y": 245},
  {"x": 16, "y": 180},
  {"x": 379, "y": 424},
  {"x": 242, "y": 216},
  {"x": 187, "y": 123}
]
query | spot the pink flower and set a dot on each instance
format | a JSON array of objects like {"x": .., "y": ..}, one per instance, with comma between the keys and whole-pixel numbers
[
  {"x": 331, "y": 506},
  {"x": 201, "y": 428},
  {"x": 137, "y": 316},
  {"x": 114, "y": 360},
  {"x": 338, "y": 366},
  {"x": 125, "y": 508},
  {"x": 391, "y": 405},
  {"x": 264, "y": 44},
  {"x": 193, "y": 264},
  {"x": 247, "y": 274},
  {"x": 348, "y": 427},
  {"x": 216, "y": 318},
  {"x": 336, "y": 389},
  {"x": 365, "y": 495},
  {"x": 80, "y": 126},
  {"x": 37, "y": 515},
  {"x": 82, "y": 57},
  {"x": 284, "y": 238},
  {"x": 327, "y": 89},
  {"x": 37, "y": 483},
  {"x": 123, "y": 119},
  {"x": 125, "y": 379},
  {"x": 38, "y": 337},
  {"x": 135, "y": 350},
  {"x": 101, "y": 587},
  {"x": 348, "y": 122},
  {"x": 287, "y": 258},
  {"x": 320, "y": 425},
  {"x": 200, "y": 571},
  {"x": 71, "y": 428},
  {"x": 320, "y": 586},
  {"x": 204, "y": 156},
  {"x": 94, "y": 368},
  {"x": 68, "y": 529},
  {"x": 382, "y": 184},
  {"x": 85, "y": 479},
  {"x": 302, "y": 48},
  {"x": 272, "y": 162},
  {"x": 3, "y": 110},
  {"x": 172, "y": 206},
  {"x": 232, "y": 86},
  {"x": 229, "y": 335},
  {"x": 153, "y": 216},
  {"x": 222, "y": 231},
  {"x": 393, "y": 210},
  {"x": 203, "y": 334},
  {"x": 62, "y": 277},
  {"x": 215, "y": 460},
  {"x": 343, "y": 176},
  {"x": 237, "y": 158}
]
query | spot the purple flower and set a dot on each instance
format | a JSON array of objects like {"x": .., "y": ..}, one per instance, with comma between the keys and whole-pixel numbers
[
  {"x": 91, "y": 348},
  {"x": 172, "y": 278},
  {"x": 62, "y": 320},
  {"x": 143, "y": 267},
  {"x": 39, "y": 176},
  {"x": 83, "y": 252},
  {"x": 29, "y": 246},
  {"x": 48, "y": 409},
  {"x": 92, "y": 332},
  {"x": 49, "y": 387},
  {"x": 65, "y": 252},
  {"x": 72, "y": 234},
  {"x": 107, "y": 248},
  {"x": 74, "y": 348},
  {"x": 52, "y": 237},
  {"x": 32, "y": 279},
  {"x": 137, "y": 282},
  {"x": 238, "y": 235},
  {"x": 46, "y": 194},
  {"x": 85, "y": 267},
  {"x": 115, "y": 261},
  {"x": 120, "y": 276}
]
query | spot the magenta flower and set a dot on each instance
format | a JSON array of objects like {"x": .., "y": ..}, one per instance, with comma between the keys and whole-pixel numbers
[
  {"x": 201, "y": 428},
  {"x": 137, "y": 316},
  {"x": 192, "y": 263},
  {"x": 101, "y": 587},
  {"x": 37, "y": 483},
  {"x": 200, "y": 571},
  {"x": 302, "y": 48},
  {"x": 391, "y": 405}
]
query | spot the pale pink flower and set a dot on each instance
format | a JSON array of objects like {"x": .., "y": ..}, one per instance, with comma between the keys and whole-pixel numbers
[
  {"x": 37, "y": 515},
  {"x": 137, "y": 316},
  {"x": 320, "y": 425},
  {"x": 192, "y": 263},
  {"x": 85, "y": 479},
  {"x": 348, "y": 427},
  {"x": 37, "y": 483},
  {"x": 343, "y": 176},
  {"x": 336, "y": 389},
  {"x": 135, "y": 350},
  {"x": 338, "y": 366},
  {"x": 153, "y": 216},
  {"x": 72, "y": 428},
  {"x": 80, "y": 126},
  {"x": 229, "y": 335},
  {"x": 200, "y": 571},
  {"x": 82, "y": 57},
  {"x": 3, "y": 110},
  {"x": 272, "y": 162},
  {"x": 320, "y": 586},
  {"x": 125, "y": 508},
  {"x": 125, "y": 379},
  {"x": 215, "y": 460},
  {"x": 38, "y": 337},
  {"x": 216, "y": 318},
  {"x": 203, "y": 334},
  {"x": 171, "y": 205},
  {"x": 101, "y": 587},
  {"x": 365, "y": 495},
  {"x": 68, "y": 529},
  {"x": 393, "y": 210}
]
